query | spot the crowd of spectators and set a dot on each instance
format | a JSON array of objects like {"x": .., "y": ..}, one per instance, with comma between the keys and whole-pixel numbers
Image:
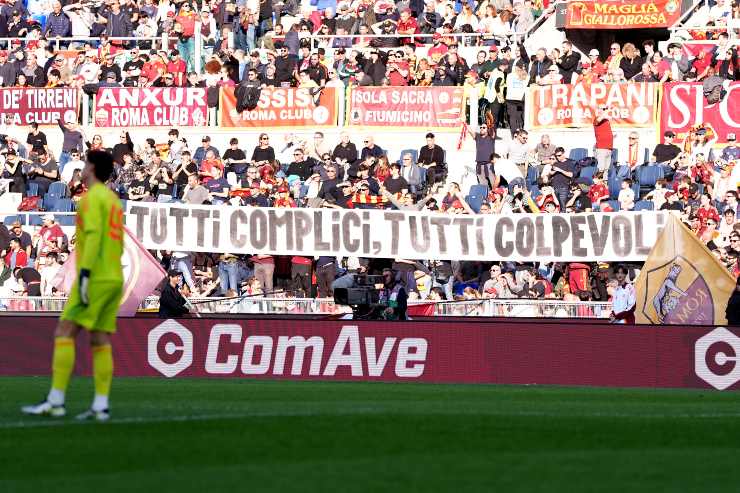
[{"x": 273, "y": 43}]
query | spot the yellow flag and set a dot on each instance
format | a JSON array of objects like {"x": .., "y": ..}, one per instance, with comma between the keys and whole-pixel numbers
[{"x": 682, "y": 282}]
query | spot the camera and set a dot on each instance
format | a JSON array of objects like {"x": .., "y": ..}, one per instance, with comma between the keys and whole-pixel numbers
[{"x": 363, "y": 297}]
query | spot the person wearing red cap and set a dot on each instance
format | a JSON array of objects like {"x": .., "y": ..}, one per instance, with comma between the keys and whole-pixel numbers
[{"x": 438, "y": 49}]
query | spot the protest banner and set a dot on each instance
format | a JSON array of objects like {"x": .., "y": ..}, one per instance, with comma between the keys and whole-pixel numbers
[
  {"x": 566, "y": 105},
  {"x": 45, "y": 106},
  {"x": 684, "y": 106},
  {"x": 151, "y": 107},
  {"x": 283, "y": 107},
  {"x": 626, "y": 14},
  {"x": 408, "y": 107},
  {"x": 543, "y": 237}
]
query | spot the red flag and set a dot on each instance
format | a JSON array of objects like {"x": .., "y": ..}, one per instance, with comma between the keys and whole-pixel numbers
[
  {"x": 141, "y": 273},
  {"x": 421, "y": 310},
  {"x": 463, "y": 133}
]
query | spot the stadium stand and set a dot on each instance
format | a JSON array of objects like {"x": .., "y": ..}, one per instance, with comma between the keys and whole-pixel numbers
[{"x": 238, "y": 50}]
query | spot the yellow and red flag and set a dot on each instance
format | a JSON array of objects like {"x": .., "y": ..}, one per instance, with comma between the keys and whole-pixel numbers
[{"x": 682, "y": 282}]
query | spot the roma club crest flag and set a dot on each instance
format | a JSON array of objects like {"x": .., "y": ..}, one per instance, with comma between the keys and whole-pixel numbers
[
  {"x": 682, "y": 282},
  {"x": 141, "y": 274}
]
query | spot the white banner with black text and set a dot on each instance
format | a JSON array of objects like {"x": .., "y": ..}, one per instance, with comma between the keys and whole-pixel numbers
[{"x": 395, "y": 234}]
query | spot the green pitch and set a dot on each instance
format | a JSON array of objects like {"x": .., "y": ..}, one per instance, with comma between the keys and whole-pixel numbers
[{"x": 243, "y": 436}]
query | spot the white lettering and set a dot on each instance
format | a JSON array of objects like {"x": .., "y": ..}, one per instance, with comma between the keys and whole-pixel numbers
[
  {"x": 213, "y": 367},
  {"x": 249, "y": 367},
  {"x": 406, "y": 356},
  {"x": 348, "y": 337}
]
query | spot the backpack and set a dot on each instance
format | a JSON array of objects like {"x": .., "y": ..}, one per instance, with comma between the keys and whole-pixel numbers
[{"x": 29, "y": 204}]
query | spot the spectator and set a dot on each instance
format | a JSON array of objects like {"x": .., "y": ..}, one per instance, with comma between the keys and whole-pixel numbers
[
  {"x": 44, "y": 172},
  {"x": 16, "y": 257},
  {"x": 202, "y": 150},
  {"x": 604, "y": 138},
  {"x": 195, "y": 193},
  {"x": 432, "y": 158}
]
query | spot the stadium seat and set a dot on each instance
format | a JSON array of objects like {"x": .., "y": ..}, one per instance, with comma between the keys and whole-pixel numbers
[
  {"x": 578, "y": 153},
  {"x": 588, "y": 172},
  {"x": 65, "y": 220},
  {"x": 614, "y": 204},
  {"x": 644, "y": 205},
  {"x": 58, "y": 189},
  {"x": 35, "y": 220},
  {"x": 414, "y": 154},
  {"x": 615, "y": 157},
  {"x": 64, "y": 205},
  {"x": 32, "y": 189},
  {"x": 476, "y": 196},
  {"x": 614, "y": 184},
  {"x": 21, "y": 218},
  {"x": 647, "y": 176},
  {"x": 533, "y": 174},
  {"x": 50, "y": 202}
]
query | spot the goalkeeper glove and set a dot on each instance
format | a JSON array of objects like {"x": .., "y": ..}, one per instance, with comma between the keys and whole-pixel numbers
[{"x": 84, "y": 283}]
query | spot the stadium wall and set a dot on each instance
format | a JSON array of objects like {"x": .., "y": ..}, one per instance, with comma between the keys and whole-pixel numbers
[{"x": 473, "y": 351}]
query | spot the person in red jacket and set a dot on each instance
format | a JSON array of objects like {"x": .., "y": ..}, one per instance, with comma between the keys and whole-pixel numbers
[
  {"x": 184, "y": 29},
  {"x": 604, "y": 138},
  {"x": 16, "y": 257}
]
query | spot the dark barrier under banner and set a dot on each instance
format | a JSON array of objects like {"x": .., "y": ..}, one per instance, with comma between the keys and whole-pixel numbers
[{"x": 474, "y": 351}]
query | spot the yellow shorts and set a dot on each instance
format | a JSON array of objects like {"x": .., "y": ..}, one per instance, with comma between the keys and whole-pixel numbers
[{"x": 101, "y": 313}]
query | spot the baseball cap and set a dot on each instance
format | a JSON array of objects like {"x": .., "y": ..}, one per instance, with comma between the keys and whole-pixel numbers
[
  {"x": 593, "y": 52},
  {"x": 436, "y": 36},
  {"x": 731, "y": 136},
  {"x": 174, "y": 273},
  {"x": 669, "y": 133},
  {"x": 493, "y": 48}
]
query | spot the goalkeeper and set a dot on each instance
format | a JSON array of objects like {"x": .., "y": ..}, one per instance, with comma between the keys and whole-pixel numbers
[{"x": 96, "y": 296}]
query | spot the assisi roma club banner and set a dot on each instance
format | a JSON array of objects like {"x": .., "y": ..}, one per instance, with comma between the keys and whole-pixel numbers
[
  {"x": 625, "y": 14},
  {"x": 394, "y": 234},
  {"x": 409, "y": 107},
  {"x": 574, "y": 105},
  {"x": 490, "y": 351},
  {"x": 45, "y": 106},
  {"x": 151, "y": 107},
  {"x": 682, "y": 282},
  {"x": 283, "y": 107},
  {"x": 684, "y": 106}
]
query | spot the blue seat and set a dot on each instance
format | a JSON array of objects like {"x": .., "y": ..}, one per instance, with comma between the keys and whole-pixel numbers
[
  {"x": 50, "y": 202},
  {"x": 65, "y": 220},
  {"x": 615, "y": 185},
  {"x": 647, "y": 176},
  {"x": 532, "y": 175},
  {"x": 476, "y": 196},
  {"x": 588, "y": 172},
  {"x": 35, "y": 220},
  {"x": 21, "y": 218},
  {"x": 615, "y": 157},
  {"x": 414, "y": 154},
  {"x": 614, "y": 204},
  {"x": 644, "y": 205},
  {"x": 578, "y": 153},
  {"x": 58, "y": 189},
  {"x": 32, "y": 189},
  {"x": 64, "y": 205}
]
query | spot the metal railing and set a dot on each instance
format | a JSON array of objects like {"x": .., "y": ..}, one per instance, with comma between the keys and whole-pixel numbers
[{"x": 325, "y": 306}]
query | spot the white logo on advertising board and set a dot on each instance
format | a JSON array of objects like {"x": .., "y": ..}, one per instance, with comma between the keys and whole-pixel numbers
[
  {"x": 719, "y": 349},
  {"x": 178, "y": 343}
]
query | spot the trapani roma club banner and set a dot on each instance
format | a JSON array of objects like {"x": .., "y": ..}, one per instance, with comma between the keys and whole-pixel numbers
[
  {"x": 626, "y": 14},
  {"x": 684, "y": 106},
  {"x": 45, "y": 106},
  {"x": 566, "y": 105},
  {"x": 409, "y": 107},
  {"x": 393, "y": 234},
  {"x": 151, "y": 107},
  {"x": 283, "y": 107},
  {"x": 682, "y": 282}
]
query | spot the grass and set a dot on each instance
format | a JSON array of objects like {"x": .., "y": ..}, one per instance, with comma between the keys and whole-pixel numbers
[{"x": 239, "y": 435}]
